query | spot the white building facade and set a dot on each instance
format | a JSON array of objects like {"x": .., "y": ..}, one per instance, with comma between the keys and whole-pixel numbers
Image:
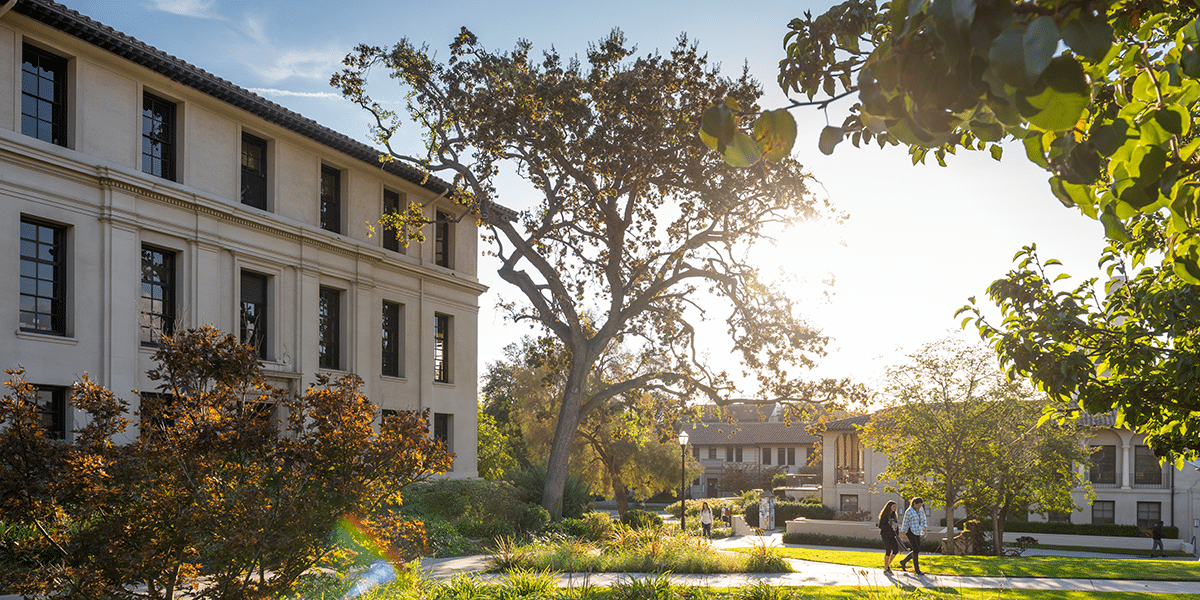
[{"x": 140, "y": 194}]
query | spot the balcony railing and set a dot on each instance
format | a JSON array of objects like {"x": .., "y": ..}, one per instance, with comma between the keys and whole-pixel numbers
[
  {"x": 850, "y": 475},
  {"x": 1151, "y": 480},
  {"x": 1111, "y": 479}
]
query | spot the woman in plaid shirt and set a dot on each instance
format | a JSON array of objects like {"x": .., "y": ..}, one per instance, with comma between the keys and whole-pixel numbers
[{"x": 913, "y": 527}]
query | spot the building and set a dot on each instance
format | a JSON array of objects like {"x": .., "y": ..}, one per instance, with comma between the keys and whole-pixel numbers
[
  {"x": 746, "y": 437},
  {"x": 1130, "y": 486},
  {"x": 142, "y": 195}
]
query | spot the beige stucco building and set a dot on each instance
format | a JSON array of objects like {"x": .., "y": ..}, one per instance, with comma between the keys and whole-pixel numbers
[
  {"x": 1130, "y": 486},
  {"x": 140, "y": 194}
]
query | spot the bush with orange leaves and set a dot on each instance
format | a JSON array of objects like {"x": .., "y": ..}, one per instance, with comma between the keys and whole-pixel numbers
[{"x": 231, "y": 490}]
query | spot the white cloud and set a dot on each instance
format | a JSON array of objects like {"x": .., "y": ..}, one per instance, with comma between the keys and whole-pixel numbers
[
  {"x": 201, "y": 9},
  {"x": 289, "y": 93},
  {"x": 273, "y": 62}
]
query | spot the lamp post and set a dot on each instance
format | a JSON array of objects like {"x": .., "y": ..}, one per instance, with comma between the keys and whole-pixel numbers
[{"x": 683, "y": 439}]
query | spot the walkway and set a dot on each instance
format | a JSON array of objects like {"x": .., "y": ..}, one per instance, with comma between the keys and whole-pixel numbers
[{"x": 826, "y": 574}]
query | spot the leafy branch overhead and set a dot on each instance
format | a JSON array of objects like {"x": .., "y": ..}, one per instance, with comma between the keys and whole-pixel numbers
[{"x": 1102, "y": 95}]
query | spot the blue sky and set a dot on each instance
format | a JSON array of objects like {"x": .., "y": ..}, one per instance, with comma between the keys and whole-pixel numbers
[{"x": 919, "y": 241}]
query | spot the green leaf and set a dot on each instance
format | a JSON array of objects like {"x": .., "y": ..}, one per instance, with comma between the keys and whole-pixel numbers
[
  {"x": 1007, "y": 57},
  {"x": 1040, "y": 42},
  {"x": 996, "y": 151},
  {"x": 1113, "y": 229},
  {"x": 1147, "y": 162},
  {"x": 742, "y": 152},
  {"x": 775, "y": 134},
  {"x": 717, "y": 125},
  {"x": 1190, "y": 61},
  {"x": 830, "y": 136},
  {"x": 1174, "y": 119},
  {"x": 1088, "y": 35},
  {"x": 1064, "y": 98},
  {"x": 964, "y": 14}
]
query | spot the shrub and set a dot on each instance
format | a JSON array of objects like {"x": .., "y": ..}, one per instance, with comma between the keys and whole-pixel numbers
[
  {"x": 928, "y": 544},
  {"x": 600, "y": 526},
  {"x": 641, "y": 519},
  {"x": 778, "y": 480},
  {"x": 477, "y": 508},
  {"x": 1104, "y": 529},
  {"x": 786, "y": 511},
  {"x": 210, "y": 490},
  {"x": 530, "y": 482}
]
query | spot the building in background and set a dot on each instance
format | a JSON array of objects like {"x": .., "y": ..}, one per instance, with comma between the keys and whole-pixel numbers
[
  {"x": 142, "y": 195},
  {"x": 747, "y": 439}
]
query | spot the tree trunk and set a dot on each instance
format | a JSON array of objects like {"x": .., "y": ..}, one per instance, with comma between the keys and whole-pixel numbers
[
  {"x": 951, "y": 499},
  {"x": 560, "y": 450},
  {"x": 997, "y": 532},
  {"x": 618, "y": 487}
]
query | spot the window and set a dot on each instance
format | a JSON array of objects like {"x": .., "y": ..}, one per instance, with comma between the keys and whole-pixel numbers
[
  {"x": 255, "y": 319},
  {"x": 696, "y": 452},
  {"x": 43, "y": 277},
  {"x": 254, "y": 171},
  {"x": 1104, "y": 511},
  {"x": 848, "y": 503},
  {"x": 1055, "y": 516},
  {"x": 330, "y": 330},
  {"x": 766, "y": 456},
  {"x": 1104, "y": 465},
  {"x": 781, "y": 455},
  {"x": 44, "y": 96},
  {"x": 158, "y": 137},
  {"x": 158, "y": 295},
  {"x": 1146, "y": 470},
  {"x": 442, "y": 243},
  {"x": 331, "y": 199},
  {"x": 52, "y": 411},
  {"x": 712, "y": 453},
  {"x": 1149, "y": 513},
  {"x": 443, "y": 431},
  {"x": 391, "y": 237},
  {"x": 737, "y": 454},
  {"x": 791, "y": 456},
  {"x": 441, "y": 348},
  {"x": 729, "y": 454},
  {"x": 393, "y": 341}
]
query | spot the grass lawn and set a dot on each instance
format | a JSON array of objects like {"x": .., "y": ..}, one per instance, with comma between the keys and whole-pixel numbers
[
  {"x": 1030, "y": 566},
  {"x": 1127, "y": 551}
]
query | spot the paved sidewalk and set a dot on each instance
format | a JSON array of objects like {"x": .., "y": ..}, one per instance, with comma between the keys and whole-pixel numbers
[{"x": 821, "y": 574}]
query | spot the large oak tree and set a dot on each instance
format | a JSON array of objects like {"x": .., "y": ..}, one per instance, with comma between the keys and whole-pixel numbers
[{"x": 630, "y": 218}]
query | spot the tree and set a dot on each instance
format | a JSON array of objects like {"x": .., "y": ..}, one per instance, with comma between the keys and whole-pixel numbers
[
  {"x": 210, "y": 491},
  {"x": 633, "y": 217},
  {"x": 1026, "y": 463},
  {"x": 938, "y": 424},
  {"x": 495, "y": 451},
  {"x": 626, "y": 445},
  {"x": 1104, "y": 96}
]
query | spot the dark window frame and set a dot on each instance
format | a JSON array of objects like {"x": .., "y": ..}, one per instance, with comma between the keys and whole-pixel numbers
[
  {"x": 50, "y": 308},
  {"x": 1146, "y": 469},
  {"x": 1104, "y": 465},
  {"x": 331, "y": 199},
  {"x": 254, "y": 171},
  {"x": 43, "y": 98},
  {"x": 1147, "y": 517},
  {"x": 153, "y": 324},
  {"x": 1104, "y": 511},
  {"x": 442, "y": 242},
  {"x": 766, "y": 456},
  {"x": 329, "y": 328},
  {"x": 255, "y": 312},
  {"x": 845, "y": 505},
  {"x": 392, "y": 346},
  {"x": 391, "y": 237},
  {"x": 159, "y": 144},
  {"x": 791, "y": 456},
  {"x": 441, "y": 348},
  {"x": 52, "y": 410}
]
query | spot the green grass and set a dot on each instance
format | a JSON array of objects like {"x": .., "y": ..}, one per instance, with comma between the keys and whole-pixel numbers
[
  {"x": 1125, "y": 551},
  {"x": 1030, "y": 566}
]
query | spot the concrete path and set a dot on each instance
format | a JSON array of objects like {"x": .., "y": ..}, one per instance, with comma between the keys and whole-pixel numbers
[{"x": 824, "y": 574}]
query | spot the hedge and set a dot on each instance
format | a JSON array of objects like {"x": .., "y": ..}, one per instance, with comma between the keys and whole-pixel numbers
[
  {"x": 820, "y": 539},
  {"x": 1104, "y": 529}
]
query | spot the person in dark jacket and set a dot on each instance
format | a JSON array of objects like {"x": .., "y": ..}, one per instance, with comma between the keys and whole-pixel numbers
[
  {"x": 1156, "y": 533},
  {"x": 889, "y": 530}
]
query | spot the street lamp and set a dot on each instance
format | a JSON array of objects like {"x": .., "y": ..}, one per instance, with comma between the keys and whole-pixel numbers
[{"x": 683, "y": 439}]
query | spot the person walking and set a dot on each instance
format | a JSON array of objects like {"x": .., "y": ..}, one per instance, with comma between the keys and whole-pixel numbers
[
  {"x": 913, "y": 528},
  {"x": 1156, "y": 533},
  {"x": 706, "y": 519},
  {"x": 889, "y": 531}
]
